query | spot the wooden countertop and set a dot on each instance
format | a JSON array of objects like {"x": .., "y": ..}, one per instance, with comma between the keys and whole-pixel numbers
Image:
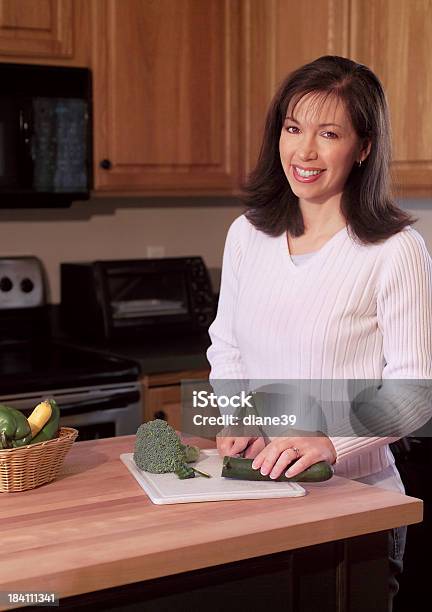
[{"x": 95, "y": 528}]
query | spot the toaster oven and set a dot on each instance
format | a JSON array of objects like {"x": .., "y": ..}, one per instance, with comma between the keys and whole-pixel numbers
[{"x": 130, "y": 298}]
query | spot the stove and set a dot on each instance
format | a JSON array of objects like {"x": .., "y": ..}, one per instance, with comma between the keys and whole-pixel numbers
[
  {"x": 97, "y": 393},
  {"x": 43, "y": 363}
]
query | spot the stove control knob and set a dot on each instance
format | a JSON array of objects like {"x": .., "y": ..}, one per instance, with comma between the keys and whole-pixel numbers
[
  {"x": 5, "y": 284},
  {"x": 27, "y": 285}
]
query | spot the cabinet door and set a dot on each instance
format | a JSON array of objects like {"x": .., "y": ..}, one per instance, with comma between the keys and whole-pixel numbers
[
  {"x": 394, "y": 38},
  {"x": 279, "y": 36},
  {"x": 165, "y": 88},
  {"x": 164, "y": 403},
  {"x": 162, "y": 395},
  {"x": 36, "y": 29}
]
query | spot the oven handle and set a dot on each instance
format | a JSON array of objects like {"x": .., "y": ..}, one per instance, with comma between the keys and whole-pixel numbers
[{"x": 117, "y": 400}]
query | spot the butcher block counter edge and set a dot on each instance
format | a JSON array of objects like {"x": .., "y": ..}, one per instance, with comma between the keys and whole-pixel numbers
[{"x": 94, "y": 527}]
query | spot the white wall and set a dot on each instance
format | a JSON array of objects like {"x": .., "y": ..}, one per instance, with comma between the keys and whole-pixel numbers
[{"x": 121, "y": 229}]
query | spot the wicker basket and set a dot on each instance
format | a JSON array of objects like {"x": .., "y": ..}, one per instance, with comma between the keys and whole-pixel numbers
[{"x": 27, "y": 467}]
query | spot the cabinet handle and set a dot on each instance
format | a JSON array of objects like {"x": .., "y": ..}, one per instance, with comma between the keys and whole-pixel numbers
[
  {"x": 106, "y": 164},
  {"x": 160, "y": 414}
]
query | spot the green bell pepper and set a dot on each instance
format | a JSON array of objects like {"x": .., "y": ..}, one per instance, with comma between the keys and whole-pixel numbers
[
  {"x": 14, "y": 428},
  {"x": 51, "y": 427}
]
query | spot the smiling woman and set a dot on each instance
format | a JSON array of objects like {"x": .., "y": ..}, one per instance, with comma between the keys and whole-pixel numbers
[
  {"x": 355, "y": 307},
  {"x": 321, "y": 134}
]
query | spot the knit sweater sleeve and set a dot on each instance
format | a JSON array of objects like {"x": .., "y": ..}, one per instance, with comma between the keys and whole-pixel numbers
[
  {"x": 224, "y": 354},
  {"x": 404, "y": 308},
  {"x": 403, "y": 402}
]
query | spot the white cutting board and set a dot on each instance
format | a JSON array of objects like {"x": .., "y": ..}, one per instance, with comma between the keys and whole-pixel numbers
[{"x": 169, "y": 489}]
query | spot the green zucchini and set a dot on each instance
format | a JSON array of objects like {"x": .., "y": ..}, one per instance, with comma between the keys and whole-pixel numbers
[{"x": 237, "y": 467}]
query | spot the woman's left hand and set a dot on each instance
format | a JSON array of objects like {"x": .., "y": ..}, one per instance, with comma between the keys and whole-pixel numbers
[{"x": 305, "y": 451}]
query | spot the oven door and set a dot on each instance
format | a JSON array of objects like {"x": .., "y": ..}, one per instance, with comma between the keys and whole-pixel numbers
[{"x": 96, "y": 412}]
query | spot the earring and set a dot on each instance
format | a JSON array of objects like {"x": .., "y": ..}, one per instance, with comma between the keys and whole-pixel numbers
[{"x": 360, "y": 163}]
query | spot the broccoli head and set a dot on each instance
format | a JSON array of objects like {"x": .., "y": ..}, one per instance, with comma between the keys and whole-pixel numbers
[{"x": 158, "y": 448}]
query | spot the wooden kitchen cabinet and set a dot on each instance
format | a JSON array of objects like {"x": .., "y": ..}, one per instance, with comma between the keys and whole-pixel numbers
[
  {"x": 394, "y": 38},
  {"x": 45, "y": 32},
  {"x": 162, "y": 395},
  {"x": 166, "y": 96},
  {"x": 181, "y": 87}
]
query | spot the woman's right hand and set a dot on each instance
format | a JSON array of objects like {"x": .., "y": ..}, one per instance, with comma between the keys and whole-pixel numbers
[{"x": 234, "y": 445}]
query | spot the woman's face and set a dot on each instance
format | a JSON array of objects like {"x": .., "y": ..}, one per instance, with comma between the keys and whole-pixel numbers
[{"x": 318, "y": 148}]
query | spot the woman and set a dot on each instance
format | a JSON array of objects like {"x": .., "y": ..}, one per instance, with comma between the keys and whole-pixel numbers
[{"x": 323, "y": 277}]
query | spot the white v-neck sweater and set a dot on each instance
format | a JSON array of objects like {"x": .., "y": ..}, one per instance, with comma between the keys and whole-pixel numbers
[{"x": 349, "y": 312}]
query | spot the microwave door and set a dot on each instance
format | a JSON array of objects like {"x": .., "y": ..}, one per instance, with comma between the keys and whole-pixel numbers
[
  {"x": 45, "y": 136},
  {"x": 58, "y": 145}
]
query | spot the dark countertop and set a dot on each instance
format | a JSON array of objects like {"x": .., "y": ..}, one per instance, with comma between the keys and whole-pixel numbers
[{"x": 154, "y": 355}]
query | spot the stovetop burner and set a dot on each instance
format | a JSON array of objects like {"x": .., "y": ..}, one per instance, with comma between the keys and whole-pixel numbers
[{"x": 42, "y": 364}]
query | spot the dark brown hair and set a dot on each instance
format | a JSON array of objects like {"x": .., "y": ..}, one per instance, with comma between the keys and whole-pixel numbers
[{"x": 369, "y": 210}]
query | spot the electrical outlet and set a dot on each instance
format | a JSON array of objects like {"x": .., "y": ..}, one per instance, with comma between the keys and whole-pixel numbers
[{"x": 154, "y": 252}]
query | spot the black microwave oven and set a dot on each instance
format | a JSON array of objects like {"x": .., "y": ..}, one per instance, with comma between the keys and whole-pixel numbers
[
  {"x": 129, "y": 299},
  {"x": 45, "y": 135}
]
